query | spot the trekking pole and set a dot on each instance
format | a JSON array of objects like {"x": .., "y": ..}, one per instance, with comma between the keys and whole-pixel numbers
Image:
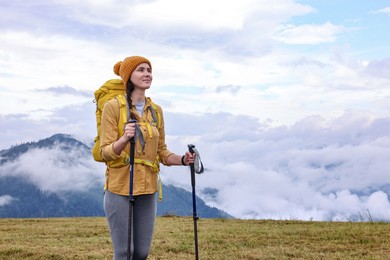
[
  {"x": 131, "y": 198},
  {"x": 192, "y": 150}
]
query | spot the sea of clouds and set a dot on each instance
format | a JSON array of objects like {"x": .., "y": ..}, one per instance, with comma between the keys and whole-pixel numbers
[{"x": 315, "y": 169}]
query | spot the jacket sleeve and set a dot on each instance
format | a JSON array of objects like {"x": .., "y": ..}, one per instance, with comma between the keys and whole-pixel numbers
[
  {"x": 109, "y": 130},
  {"x": 163, "y": 151}
]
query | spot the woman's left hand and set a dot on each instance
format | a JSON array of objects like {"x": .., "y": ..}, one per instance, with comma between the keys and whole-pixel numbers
[{"x": 189, "y": 158}]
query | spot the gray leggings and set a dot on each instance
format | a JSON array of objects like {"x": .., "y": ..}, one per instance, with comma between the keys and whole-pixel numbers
[{"x": 116, "y": 208}]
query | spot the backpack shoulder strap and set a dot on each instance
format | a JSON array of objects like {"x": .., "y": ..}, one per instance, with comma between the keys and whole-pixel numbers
[
  {"x": 122, "y": 113},
  {"x": 154, "y": 110}
]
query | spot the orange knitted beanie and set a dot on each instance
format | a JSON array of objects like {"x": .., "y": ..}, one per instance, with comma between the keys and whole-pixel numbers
[{"x": 127, "y": 66}]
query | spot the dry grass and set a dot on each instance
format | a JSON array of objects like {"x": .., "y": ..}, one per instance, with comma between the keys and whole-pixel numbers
[
  {"x": 88, "y": 238},
  {"x": 54, "y": 238}
]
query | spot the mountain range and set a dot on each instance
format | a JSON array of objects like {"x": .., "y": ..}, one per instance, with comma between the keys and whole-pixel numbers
[{"x": 56, "y": 177}]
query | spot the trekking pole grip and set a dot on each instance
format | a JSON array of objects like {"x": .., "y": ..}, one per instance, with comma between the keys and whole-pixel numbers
[
  {"x": 132, "y": 140},
  {"x": 191, "y": 148},
  {"x": 192, "y": 166}
]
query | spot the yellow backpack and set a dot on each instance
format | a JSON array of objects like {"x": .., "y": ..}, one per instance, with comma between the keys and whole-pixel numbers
[{"x": 109, "y": 90}]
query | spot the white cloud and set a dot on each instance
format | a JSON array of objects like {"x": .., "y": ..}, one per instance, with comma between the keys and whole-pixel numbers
[
  {"x": 208, "y": 15},
  {"x": 308, "y": 34},
  {"x": 34, "y": 61},
  {"x": 316, "y": 169},
  {"x": 55, "y": 170},
  {"x": 379, "y": 68},
  {"x": 385, "y": 10},
  {"x": 5, "y": 200},
  {"x": 194, "y": 15},
  {"x": 378, "y": 205}
]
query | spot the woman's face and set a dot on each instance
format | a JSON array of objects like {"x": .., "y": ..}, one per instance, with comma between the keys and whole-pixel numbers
[{"x": 142, "y": 76}]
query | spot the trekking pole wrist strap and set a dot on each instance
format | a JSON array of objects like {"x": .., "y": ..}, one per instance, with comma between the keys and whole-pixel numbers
[{"x": 198, "y": 165}]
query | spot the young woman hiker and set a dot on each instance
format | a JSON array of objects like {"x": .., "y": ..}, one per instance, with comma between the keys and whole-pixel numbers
[{"x": 150, "y": 150}]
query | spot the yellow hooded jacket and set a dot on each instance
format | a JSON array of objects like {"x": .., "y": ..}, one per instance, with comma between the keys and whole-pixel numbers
[{"x": 145, "y": 177}]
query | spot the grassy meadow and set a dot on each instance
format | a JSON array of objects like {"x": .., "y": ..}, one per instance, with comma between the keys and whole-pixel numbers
[{"x": 88, "y": 238}]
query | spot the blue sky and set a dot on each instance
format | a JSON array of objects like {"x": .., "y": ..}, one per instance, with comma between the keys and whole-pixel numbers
[
  {"x": 302, "y": 81},
  {"x": 365, "y": 22}
]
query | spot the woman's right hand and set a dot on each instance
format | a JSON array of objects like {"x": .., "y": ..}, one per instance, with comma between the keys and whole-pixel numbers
[
  {"x": 129, "y": 131},
  {"x": 120, "y": 144}
]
